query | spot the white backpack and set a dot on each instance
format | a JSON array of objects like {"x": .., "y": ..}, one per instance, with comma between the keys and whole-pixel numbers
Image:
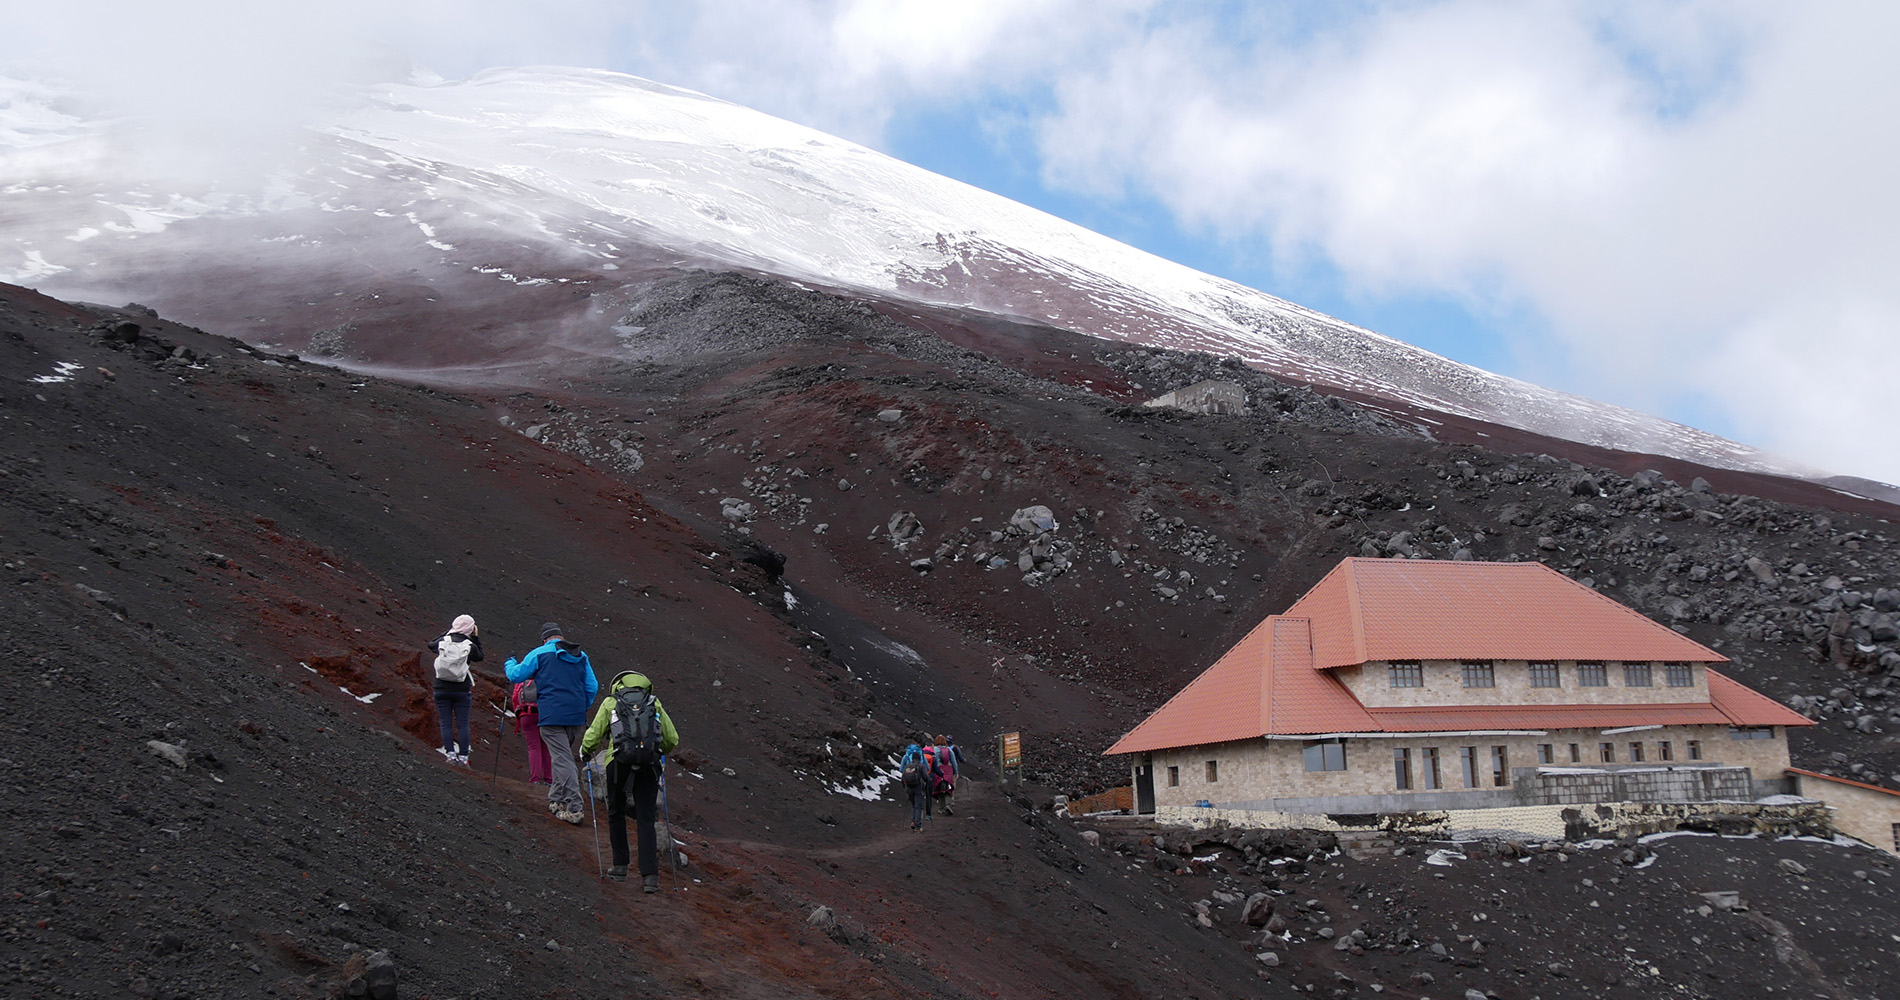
[{"x": 451, "y": 664}]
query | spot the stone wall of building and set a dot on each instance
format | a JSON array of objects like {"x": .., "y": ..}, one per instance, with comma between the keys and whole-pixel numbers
[
  {"x": 1869, "y": 814},
  {"x": 1444, "y": 684},
  {"x": 1272, "y": 773}
]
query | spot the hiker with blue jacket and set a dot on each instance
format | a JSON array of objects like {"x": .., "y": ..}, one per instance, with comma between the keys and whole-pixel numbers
[
  {"x": 914, "y": 770},
  {"x": 637, "y": 733},
  {"x": 565, "y": 686}
]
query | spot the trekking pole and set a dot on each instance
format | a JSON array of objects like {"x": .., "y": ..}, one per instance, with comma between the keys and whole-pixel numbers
[
  {"x": 501, "y": 725},
  {"x": 594, "y": 811},
  {"x": 672, "y": 845}
]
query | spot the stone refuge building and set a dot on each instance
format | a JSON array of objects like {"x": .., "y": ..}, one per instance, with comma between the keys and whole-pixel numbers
[
  {"x": 1211, "y": 396},
  {"x": 1406, "y": 686}
]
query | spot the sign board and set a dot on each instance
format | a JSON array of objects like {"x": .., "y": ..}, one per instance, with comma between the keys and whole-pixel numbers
[{"x": 1010, "y": 749}]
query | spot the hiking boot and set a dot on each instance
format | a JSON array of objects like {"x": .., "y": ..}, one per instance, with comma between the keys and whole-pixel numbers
[
  {"x": 618, "y": 873},
  {"x": 649, "y": 883},
  {"x": 554, "y": 807},
  {"x": 575, "y": 817},
  {"x": 462, "y": 759},
  {"x": 447, "y": 755}
]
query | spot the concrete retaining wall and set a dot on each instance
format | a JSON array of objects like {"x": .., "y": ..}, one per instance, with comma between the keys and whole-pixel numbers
[{"x": 1574, "y": 822}]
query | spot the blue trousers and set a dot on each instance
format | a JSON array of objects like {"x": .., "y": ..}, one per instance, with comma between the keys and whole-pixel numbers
[{"x": 451, "y": 711}]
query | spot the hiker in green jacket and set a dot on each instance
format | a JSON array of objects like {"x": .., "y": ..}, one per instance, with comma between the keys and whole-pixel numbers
[{"x": 637, "y": 733}]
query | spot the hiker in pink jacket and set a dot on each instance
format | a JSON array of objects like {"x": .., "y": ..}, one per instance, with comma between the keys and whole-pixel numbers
[{"x": 528, "y": 724}]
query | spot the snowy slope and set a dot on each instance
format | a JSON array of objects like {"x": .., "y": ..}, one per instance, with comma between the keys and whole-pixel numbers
[{"x": 532, "y": 177}]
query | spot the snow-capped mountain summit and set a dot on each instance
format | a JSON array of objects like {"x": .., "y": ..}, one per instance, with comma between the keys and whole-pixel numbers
[{"x": 517, "y": 188}]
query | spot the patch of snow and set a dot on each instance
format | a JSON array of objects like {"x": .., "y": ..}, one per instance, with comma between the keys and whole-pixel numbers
[
  {"x": 1443, "y": 857},
  {"x": 62, "y": 372},
  {"x": 870, "y": 789}
]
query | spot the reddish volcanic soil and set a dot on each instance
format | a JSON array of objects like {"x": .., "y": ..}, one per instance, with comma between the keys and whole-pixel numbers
[{"x": 229, "y": 551}]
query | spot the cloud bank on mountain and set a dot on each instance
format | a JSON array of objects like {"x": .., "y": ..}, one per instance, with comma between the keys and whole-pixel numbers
[{"x": 1686, "y": 203}]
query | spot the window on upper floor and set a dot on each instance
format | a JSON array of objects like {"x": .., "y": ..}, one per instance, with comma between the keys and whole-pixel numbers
[
  {"x": 1213, "y": 771},
  {"x": 1544, "y": 675},
  {"x": 1695, "y": 749},
  {"x": 1479, "y": 674},
  {"x": 1325, "y": 755},
  {"x": 1606, "y": 753},
  {"x": 1592, "y": 674},
  {"x": 1546, "y": 753},
  {"x": 1751, "y": 732},
  {"x": 1636, "y": 675},
  {"x": 1679, "y": 675},
  {"x": 1407, "y": 674},
  {"x": 1665, "y": 750},
  {"x": 1576, "y": 753},
  {"x": 1174, "y": 777},
  {"x": 1636, "y": 752}
]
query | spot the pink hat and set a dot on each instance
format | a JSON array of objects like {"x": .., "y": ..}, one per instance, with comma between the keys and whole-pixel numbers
[{"x": 464, "y": 625}]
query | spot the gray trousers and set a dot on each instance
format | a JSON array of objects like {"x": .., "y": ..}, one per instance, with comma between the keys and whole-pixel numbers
[{"x": 565, "y": 790}]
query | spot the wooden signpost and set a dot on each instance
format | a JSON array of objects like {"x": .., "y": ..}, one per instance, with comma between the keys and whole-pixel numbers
[{"x": 1009, "y": 757}]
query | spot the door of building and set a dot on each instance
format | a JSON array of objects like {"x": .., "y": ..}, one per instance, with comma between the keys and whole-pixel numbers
[{"x": 1145, "y": 787}]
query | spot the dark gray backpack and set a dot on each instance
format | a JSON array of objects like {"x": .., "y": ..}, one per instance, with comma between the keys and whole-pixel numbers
[{"x": 636, "y": 727}]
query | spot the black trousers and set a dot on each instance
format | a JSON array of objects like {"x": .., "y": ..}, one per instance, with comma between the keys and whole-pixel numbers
[{"x": 643, "y": 784}]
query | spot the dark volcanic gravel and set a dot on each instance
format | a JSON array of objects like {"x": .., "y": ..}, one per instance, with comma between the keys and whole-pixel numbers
[{"x": 225, "y": 552}]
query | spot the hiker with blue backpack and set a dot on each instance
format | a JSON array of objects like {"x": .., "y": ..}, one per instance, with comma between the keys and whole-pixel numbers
[
  {"x": 637, "y": 734},
  {"x": 914, "y": 770},
  {"x": 454, "y": 650},
  {"x": 565, "y": 686}
]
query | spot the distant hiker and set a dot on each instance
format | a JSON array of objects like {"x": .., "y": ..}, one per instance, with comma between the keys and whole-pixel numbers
[
  {"x": 460, "y": 646},
  {"x": 943, "y": 777},
  {"x": 564, "y": 686},
  {"x": 522, "y": 700},
  {"x": 914, "y": 769},
  {"x": 636, "y": 731}
]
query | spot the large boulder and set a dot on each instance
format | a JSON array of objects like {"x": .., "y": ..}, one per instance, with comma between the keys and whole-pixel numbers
[{"x": 1034, "y": 520}]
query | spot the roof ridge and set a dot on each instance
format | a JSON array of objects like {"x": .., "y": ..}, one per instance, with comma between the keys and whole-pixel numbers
[
  {"x": 1354, "y": 619},
  {"x": 1621, "y": 607}
]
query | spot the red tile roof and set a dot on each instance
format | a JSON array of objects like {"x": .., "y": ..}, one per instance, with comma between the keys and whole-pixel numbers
[
  {"x": 1746, "y": 706},
  {"x": 1411, "y": 609},
  {"x": 1265, "y": 684},
  {"x": 1273, "y": 681}
]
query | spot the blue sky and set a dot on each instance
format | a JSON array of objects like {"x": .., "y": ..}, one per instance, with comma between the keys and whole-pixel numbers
[
  {"x": 1682, "y": 206},
  {"x": 965, "y": 142}
]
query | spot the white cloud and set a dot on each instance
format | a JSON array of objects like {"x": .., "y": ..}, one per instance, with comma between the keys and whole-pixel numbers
[
  {"x": 1698, "y": 198},
  {"x": 1693, "y": 198}
]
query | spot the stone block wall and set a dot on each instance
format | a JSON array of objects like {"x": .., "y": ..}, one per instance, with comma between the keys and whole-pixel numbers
[
  {"x": 1272, "y": 773},
  {"x": 1605, "y": 820},
  {"x": 1444, "y": 684}
]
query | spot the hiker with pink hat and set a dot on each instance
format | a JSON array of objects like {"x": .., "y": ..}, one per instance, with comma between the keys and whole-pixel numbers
[{"x": 454, "y": 650}]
